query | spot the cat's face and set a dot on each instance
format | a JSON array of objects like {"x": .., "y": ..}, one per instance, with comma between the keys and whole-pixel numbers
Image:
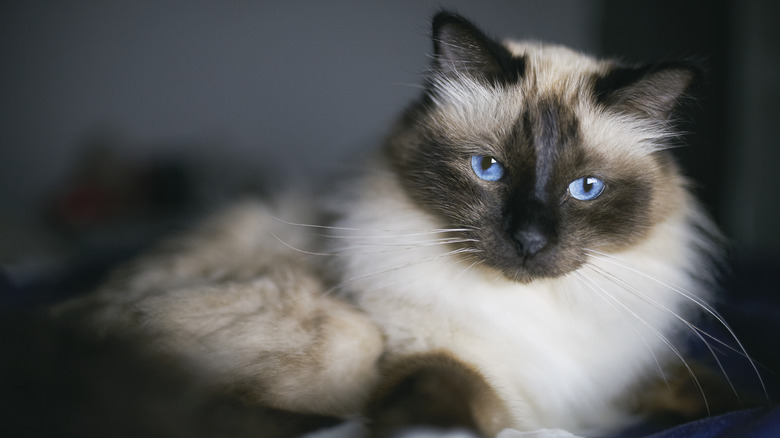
[{"x": 541, "y": 153}]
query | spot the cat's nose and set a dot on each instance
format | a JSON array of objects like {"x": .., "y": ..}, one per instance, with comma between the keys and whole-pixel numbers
[{"x": 529, "y": 241}]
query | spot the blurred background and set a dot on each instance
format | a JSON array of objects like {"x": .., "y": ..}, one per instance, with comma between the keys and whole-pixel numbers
[{"x": 120, "y": 121}]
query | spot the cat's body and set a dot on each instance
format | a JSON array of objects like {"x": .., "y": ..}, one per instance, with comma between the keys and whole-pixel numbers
[
  {"x": 560, "y": 352},
  {"x": 245, "y": 311},
  {"x": 523, "y": 220}
]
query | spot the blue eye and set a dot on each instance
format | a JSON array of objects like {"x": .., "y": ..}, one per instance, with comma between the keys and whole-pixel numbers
[
  {"x": 487, "y": 167},
  {"x": 586, "y": 188}
]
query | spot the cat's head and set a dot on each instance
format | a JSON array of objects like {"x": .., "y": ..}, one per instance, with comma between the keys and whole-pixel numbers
[{"x": 541, "y": 152}]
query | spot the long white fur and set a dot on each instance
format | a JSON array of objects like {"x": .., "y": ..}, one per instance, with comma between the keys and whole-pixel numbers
[{"x": 558, "y": 351}]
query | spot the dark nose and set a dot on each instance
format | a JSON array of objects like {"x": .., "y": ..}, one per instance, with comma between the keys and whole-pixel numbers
[{"x": 529, "y": 241}]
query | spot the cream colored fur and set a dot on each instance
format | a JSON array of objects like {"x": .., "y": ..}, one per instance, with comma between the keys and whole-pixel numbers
[
  {"x": 246, "y": 312},
  {"x": 252, "y": 313},
  {"x": 562, "y": 353}
]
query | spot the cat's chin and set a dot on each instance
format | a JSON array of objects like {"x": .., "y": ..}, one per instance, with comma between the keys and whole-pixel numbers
[
  {"x": 527, "y": 271},
  {"x": 525, "y": 277}
]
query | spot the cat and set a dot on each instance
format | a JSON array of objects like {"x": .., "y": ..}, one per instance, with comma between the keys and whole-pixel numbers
[{"x": 522, "y": 252}]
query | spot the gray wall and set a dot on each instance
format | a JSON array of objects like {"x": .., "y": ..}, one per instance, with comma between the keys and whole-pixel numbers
[
  {"x": 752, "y": 199},
  {"x": 244, "y": 83}
]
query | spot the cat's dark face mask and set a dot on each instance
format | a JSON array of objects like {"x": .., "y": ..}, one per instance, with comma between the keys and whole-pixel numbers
[{"x": 526, "y": 178}]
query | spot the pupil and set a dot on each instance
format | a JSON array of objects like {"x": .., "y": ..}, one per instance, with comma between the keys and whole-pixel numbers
[
  {"x": 587, "y": 185},
  {"x": 487, "y": 162}
]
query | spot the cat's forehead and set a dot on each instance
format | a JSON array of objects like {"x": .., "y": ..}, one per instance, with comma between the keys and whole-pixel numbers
[
  {"x": 552, "y": 73},
  {"x": 475, "y": 112}
]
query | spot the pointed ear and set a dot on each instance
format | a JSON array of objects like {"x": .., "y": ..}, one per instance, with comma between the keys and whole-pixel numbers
[
  {"x": 650, "y": 91},
  {"x": 461, "y": 48}
]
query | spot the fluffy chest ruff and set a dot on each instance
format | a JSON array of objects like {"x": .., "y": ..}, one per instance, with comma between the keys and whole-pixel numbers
[{"x": 561, "y": 352}]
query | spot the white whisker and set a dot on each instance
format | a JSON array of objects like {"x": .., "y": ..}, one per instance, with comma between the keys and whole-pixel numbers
[
  {"x": 403, "y": 245},
  {"x": 302, "y": 251},
  {"x": 442, "y": 240},
  {"x": 700, "y": 303},
  {"x": 467, "y": 268},
  {"x": 379, "y": 247},
  {"x": 584, "y": 279},
  {"x": 396, "y": 236},
  {"x": 696, "y": 330},
  {"x": 296, "y": 224},
  {"x": 388, "y": 232},
  {"x": 663, "y": 339},
  {"x": 400, "y": 266}
]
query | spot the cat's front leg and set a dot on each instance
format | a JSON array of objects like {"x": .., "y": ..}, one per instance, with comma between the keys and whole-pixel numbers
[{"x": 435, "y": 395}]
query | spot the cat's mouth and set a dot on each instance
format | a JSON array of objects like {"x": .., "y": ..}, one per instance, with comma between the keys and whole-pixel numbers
[
  {"x": 529, "y": 269},
  {"x": 529, "y": 257}
]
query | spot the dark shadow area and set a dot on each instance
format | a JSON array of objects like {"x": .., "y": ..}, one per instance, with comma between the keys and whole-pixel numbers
[
  {"x": 640, "y": 32},
  {"x": 725, "y": 38}
]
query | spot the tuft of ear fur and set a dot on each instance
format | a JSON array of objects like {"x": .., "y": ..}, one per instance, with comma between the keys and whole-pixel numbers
[
  {"x": 649, "y": 91},
  {"x": 460, "y": 48}
]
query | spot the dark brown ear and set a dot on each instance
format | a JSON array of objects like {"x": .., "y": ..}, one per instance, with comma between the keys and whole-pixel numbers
[
  {"x": 461, "y": 48},
  {"x": 650, "y": 91}
]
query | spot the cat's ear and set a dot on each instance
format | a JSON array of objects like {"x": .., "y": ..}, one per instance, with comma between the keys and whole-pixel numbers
[
  {"x": 650, "y": 91},
  {"x": 460, "y": 48}
]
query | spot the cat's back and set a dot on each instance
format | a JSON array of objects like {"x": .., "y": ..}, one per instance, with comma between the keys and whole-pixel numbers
[{"x": 238, "y": 303}]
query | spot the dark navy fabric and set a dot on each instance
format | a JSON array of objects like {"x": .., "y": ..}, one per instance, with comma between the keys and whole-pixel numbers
[{"x": 753, "y": 423}]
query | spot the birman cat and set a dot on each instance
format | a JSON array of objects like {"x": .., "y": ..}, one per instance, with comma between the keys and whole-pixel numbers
[{"x": 522, "y": 252}]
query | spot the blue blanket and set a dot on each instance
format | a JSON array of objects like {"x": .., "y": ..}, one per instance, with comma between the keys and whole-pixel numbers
[{"x": 753, "y": 423}]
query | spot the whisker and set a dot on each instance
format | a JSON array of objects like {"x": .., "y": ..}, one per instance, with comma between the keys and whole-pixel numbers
[
  {"x": 302, "y": 251},
  {"x": 404, "y": 245},
  {"x": 296, "y": 224},
  {"x": 400, "y": 266},
  {"x": 406, "y": 242},
  {"x": 399, "y": 236},
  {"x": 678, "y": 289},
  {"x": 700, "y": 330},
  {"x": 407, "y": 281},
  {"x": 666, "y": 342},
  {"x": 358, "y": 250},
  {"x": 393, "y": 246},
  {"x": 348, "y": 250},
  {"x": 584, "y": 279},
  {"x": 389, "y": 232},
  {"x": 467, "y": 268},
  {"x": 700, "y": 303},
  {"x": 696, "y": 330}
]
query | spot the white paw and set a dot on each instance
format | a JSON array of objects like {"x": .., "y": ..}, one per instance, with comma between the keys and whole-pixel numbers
[
  {"x": 426, "y": 432},
  {"x": 541, "y": 433}
]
